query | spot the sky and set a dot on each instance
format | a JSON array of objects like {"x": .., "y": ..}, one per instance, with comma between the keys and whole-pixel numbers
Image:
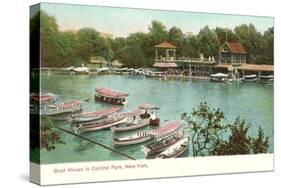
[{"x": 120, "y": 22}]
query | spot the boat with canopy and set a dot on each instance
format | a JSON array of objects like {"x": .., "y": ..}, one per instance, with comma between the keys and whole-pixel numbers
[
  {"x": 220, "y": 77},
  {"x": 46, "y": 98},
  {"x": 61, "y": 108},
  {"x": 167, "y": 135},
  {"x": 174, "y": 150},
  {"x": 92, "y": 116},
  {"x": 110, "y": 96}
]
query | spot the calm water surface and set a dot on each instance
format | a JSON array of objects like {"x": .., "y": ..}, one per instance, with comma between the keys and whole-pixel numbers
[{"x": 251, "y": 101}]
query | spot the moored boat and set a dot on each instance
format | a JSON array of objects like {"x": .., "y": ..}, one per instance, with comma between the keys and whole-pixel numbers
[
  {"x": 250, "y": 78},
  {"x": 42, "y": 98},
  {"x": 266, "y": 79},
  {"x": 174, "y": 150},
  {"x": 131, "y": 139},
  {"x": 61, "y": 108},
  {"x": 99, "y": 125},
  {"x": 220, "y": 77},
  {"x": 146, "y": 116},
  {"x": 91, "y": 116},
  {"x": 167, "y": 135},
  {"x": 80, "y": 70},
  {"x": 110, "y": 96}
]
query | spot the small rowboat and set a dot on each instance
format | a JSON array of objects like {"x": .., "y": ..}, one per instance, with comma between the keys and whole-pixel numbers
[
  {"x": 132, "y": 139},
  {"x": 61, "y": 108},
  {"x": 99, "y": 125},
  {"x": 92, "y": 116},
  {"x": 175, "y": 150},
  {"x": 107, "y": 95},
  {"x": 42, "y": 98}
]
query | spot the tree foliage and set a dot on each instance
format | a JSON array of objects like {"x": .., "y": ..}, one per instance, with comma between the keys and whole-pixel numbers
[
  {"x": 67, "y": 48},
  {"x": 209, "y": 134},
  {"x": 48, "y": 137}
]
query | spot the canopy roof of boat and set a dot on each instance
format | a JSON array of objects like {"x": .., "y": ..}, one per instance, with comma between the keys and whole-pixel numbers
[
  {"x": 148, "y": 106},
  {"x": 110, "y": 93},
  {"x": 103, "y": 112},
  {"x": 66, "y": 104},
  {"x": 219, "y": 75},
  {"x": 167, "y": 128}
]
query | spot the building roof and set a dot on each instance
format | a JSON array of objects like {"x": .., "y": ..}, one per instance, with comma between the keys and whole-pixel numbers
[
  {"x": 236, "y": 47},
  {"x": 256, "y": 67},
  {"x": 165, "y": 65},
  {"x": 165, "y": 44},
  {"x": 225, "y": 66}
]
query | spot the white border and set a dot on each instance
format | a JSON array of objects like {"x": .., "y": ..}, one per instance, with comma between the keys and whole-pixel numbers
[{"x": 144, "y": 169}]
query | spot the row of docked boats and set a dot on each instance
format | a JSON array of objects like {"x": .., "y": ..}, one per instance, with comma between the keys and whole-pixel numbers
[
  {"x": 167, "y": 141},
  {"x": 221, "y": 77}
]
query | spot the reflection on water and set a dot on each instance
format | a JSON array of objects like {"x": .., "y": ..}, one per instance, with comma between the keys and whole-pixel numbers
[{"x": 250, "y": 101}]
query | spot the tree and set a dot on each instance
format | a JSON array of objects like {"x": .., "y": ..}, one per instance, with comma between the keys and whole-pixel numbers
[
  {"x": 208, "y": 42},
  {"x": 205, "y": 128},
  {"x": 251, "y": 39},
  {"x": 225, "y": 34},
  {"x": 260, "y": 144},
  {"x": 157, "y": 32},
  {"x": 48, "y": 137},
  {"x": 209, "y": 136},
  {"x": 268, "y": 51},
  {"x": 238, "y": 143}
]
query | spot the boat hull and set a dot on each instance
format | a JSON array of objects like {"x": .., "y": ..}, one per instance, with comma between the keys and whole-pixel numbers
[
  {"x": 111, "y": 101},
  {"x": 121, "y": 128},
  {"x": 130, "y": 142}
]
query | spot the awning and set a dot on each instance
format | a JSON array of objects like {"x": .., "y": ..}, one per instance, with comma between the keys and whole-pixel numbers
[
  {"x": 110, "y": 93},
  {"x": 165, "y": 65}
]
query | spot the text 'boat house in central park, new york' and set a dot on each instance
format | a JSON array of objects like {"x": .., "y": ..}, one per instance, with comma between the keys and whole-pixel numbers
[{"x": 231, "y": 59}]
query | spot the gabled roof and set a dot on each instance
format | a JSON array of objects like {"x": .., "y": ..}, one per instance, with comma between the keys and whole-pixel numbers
[
  {"x": 236, "y": 47},
  {"x": 165, "y": 44}
]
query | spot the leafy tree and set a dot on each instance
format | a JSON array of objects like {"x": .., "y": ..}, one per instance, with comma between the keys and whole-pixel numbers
[
  {"x": 205, "y": 128},
  {"x": 251, "y": 39},
  {"x": 238, "y": 143},
  {"x": 210, "y": 136},
  {"x": 208, "y": 42},
  {"x": 260, "y": 144},
  {"x": 48, "y": 137}
]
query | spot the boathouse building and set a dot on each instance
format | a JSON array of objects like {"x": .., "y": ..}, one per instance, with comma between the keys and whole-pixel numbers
[{"x": 231, "y": 59}]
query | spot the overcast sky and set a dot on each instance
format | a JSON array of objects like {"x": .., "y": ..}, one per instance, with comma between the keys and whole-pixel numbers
[{"x": 122, "y": 21}]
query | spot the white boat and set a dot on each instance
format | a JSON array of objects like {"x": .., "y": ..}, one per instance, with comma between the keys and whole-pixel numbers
[
  {"x": 98, "y": 125},
  {"x": 61, "y": 108},
  {"x": 266, "y": 79},
  {"x": 131, "y": 126},
  {"x": 175, "y": 150},
  {"x": 131, "y": 139},
  {"x": 220, "y": 77},
  {"x": 92, "y": 116},
  {"x": 81, "y": 70},
  {"x": 250, "y": 78},
  {"x": 144, "y": 116}
]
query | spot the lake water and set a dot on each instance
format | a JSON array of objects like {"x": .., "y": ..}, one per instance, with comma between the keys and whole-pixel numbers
[{"x": 251, "y": 101}]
